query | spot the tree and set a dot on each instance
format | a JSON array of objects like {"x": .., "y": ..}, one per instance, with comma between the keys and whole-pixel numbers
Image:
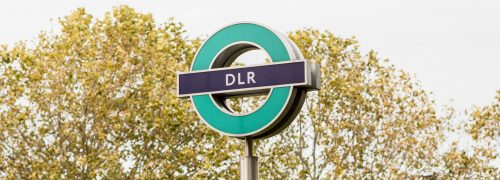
[
  {"x": 486, "y": 121},
  {"x": 368, "y": 120},
  {"x": 99, "y": 100},
  {"x": 484, "y": 127}
]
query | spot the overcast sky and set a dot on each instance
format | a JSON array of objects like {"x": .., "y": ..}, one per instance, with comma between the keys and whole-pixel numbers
[{"x": 452, "y": 46}]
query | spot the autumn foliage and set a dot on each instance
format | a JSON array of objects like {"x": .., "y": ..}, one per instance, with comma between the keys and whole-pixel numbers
[{"x": 98, "y": 100}]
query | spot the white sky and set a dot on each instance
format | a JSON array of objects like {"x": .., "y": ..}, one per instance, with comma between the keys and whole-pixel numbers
[{"x": 451, "y": 45}]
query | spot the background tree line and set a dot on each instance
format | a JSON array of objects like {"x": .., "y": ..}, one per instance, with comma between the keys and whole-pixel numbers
[{"x": 99, "y": 100}]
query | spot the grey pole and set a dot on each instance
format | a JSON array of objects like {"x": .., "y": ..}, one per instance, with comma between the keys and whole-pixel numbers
[{"x": 249, "y": 163}]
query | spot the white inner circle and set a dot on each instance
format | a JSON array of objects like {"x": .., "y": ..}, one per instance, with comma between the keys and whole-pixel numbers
[
  {"x": 241, "y": 54},
  {"x": 241, "y": 105}
]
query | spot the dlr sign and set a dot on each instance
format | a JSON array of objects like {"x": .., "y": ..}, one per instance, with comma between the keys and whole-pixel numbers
[{"x": 246, "y": 80}]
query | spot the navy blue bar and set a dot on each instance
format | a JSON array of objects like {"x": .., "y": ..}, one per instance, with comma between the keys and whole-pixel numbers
[{"x": 238, "y": 79}]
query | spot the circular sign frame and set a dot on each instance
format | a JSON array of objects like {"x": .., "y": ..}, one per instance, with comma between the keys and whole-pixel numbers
[{"x": 283, "y": 103}]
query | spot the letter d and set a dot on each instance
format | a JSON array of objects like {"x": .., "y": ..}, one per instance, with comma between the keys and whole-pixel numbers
[{"x": 230, "y": 76}]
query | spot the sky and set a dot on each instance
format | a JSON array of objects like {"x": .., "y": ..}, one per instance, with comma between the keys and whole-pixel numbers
[{"x": 451, "y": 46}]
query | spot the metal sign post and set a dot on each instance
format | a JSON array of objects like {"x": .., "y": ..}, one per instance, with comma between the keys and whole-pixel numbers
[
  {"x": 249, "y": 165},
  {"x": 286, "y": 81}
]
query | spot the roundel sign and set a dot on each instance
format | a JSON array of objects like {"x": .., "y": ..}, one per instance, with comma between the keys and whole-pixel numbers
[{"x": 286, "y": 80}]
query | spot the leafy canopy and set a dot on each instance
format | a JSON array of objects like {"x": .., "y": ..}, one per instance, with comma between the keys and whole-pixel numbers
[{"x": 99, "y": 100}]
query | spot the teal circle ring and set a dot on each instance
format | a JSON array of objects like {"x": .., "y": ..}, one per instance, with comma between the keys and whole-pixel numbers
[{"x": 268, "y": 115}]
